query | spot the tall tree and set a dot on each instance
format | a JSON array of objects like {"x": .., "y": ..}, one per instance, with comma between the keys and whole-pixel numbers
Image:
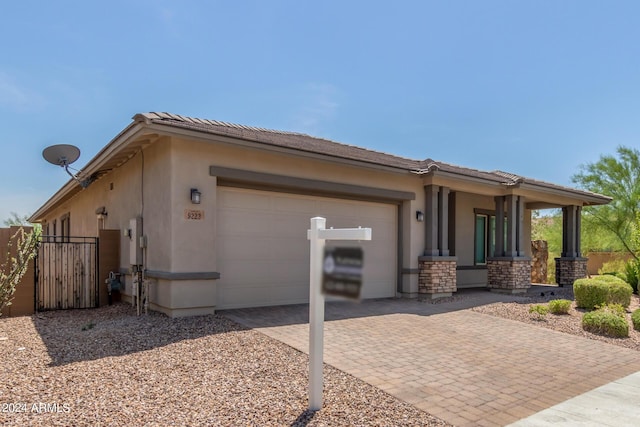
[
  {"x": 619, "y": 178},
  {"x": 16, "y": 219}
]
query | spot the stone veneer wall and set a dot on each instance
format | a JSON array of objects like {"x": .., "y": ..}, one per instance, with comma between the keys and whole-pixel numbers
[
  {"x": 539, "y": 258},
  {"x": 437, "y": 275},
  {"x": 511, "y": 275},
  {"x": 570, "y": 269}
]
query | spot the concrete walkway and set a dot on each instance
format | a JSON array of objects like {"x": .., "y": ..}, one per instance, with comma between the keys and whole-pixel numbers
[
  {"x": 616, "y": 404},
  {"x": 464, "y": 367}
]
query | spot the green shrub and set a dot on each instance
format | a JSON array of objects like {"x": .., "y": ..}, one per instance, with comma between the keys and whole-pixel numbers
[
  {"x": 635, "y": 319},
  {"x": 606, "y": 321},
  {"x": 614, "y": 308},
  {"x": 631, "y": 274},
  {"x": 620, "y": 294},
  {"x": 600, "y": 290},
  {"x": 614, "y": 266},
  {"x": 539, "y": 311},
  {"x": 559, "y": 306},
  {"x": 590, "y": 292}
]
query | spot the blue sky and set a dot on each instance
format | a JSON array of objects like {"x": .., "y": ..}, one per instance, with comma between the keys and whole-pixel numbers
[{"x": 532, "y": 87}]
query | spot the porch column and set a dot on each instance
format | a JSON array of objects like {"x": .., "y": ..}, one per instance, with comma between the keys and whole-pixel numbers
[
  {"x": 520, "y": 227},
  {"x": 443, "y": 221},
  {"x": 499, "y": 239},
  {"x": 508, "y": 269},
  {"x": 571, "y": 265},
  {"x": 431, "y": 221},
  {"x": 569, "y": 231},
  {"x": 437, "y": 275},
  {"x": 512, "y": 226}
]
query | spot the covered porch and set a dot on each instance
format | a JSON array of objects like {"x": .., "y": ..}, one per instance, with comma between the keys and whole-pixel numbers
[{"x": 478, "y": 234}]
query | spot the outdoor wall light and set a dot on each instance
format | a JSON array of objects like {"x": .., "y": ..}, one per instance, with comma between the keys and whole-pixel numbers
[
  {"x": 419, "y": 216},
  {"x": 195, "y": 196}
]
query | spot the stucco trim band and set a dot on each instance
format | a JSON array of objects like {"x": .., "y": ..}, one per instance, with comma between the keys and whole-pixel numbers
[
  {"x": 167, "y": 275},
  {"x": 229, "y": 176}
]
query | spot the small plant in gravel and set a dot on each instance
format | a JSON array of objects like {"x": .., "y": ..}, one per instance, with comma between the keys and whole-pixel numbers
[
  {"x": 590, "y": 293},
  {"x": 88, "y": 326},
  {"x": 559, "y": 306},
  {"x": 539, "y": 311},
  {"x": 608, "y": 320},
  {"x": 635, "y": 319}
]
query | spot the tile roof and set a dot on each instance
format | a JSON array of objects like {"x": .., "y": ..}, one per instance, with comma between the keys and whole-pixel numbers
[
  {"x": 294, "y": 140},
  {"x": 311, "y": 144}
]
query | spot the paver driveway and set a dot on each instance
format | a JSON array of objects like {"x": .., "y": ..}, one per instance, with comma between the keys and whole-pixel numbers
[{"x": 464, "y": 367}]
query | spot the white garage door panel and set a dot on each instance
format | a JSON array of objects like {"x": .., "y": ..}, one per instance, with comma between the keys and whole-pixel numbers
[{"x": 263, "y": 253}]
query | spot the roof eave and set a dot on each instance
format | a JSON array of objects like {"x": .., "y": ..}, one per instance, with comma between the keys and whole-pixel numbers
[
  {"x": 171, "y": 130},
  {"x": 71, "y": 188},
  {"x": 587, "y": 198}
]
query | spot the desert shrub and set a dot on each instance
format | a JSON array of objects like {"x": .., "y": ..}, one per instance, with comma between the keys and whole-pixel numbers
[
  {"x": 612, "y": 267},
  {"x": 607, "y": 321},
  {"x": 559, "y": 306},
  {"x": 539, "y": 311},
  {"x": 601, "y": 290},
  {"x": 631, "y": 274},
  {"x": 620, "y": 293},
  {"x": 614, "y": 308},
  {"x": 635, "y": 319},
  {"x": 590, "y": 292}
]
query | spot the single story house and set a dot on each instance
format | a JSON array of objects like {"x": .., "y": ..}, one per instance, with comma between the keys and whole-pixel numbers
[{"x": 216, "y": 214}]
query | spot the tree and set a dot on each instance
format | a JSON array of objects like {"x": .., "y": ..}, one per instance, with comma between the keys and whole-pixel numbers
[
  {"x": 16, "y": 262},
  {"x": 16, "y": 219},
  {"x": 618, "y": 178}
]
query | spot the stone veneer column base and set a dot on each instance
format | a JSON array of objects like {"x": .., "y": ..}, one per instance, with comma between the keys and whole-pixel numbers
[
  {"x": 437, "y": 276},
  {"x": 509, "y": 275},
  {"x": 570, "y": 269}
]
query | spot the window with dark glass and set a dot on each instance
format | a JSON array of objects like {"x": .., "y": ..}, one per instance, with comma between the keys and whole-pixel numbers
[{"x": 484, "y": 236}]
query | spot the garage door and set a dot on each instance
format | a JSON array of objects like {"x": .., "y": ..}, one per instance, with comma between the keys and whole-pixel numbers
[{"x": 263, "y": 251}]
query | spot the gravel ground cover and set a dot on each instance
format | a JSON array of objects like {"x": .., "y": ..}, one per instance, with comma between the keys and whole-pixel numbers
[
  {"x": 570, "y": 324},
  {"x": 108, "y": 367}
]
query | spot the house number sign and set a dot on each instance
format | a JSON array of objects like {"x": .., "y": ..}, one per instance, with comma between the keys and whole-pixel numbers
[{"x": 193, "y": 214}]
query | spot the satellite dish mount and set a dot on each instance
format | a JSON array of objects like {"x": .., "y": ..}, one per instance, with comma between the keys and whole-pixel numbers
[{"x": 63, "y": 155}]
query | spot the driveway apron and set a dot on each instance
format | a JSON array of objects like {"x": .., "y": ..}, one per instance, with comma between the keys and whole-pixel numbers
[{"x": 467, "y": 368}]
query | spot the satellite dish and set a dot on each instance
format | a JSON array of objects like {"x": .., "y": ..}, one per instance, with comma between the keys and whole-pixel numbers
[{"x": 63, "y": 155}]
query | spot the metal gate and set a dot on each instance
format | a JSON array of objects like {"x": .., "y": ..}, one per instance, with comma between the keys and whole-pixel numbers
[{"x": 67, "y": 273}]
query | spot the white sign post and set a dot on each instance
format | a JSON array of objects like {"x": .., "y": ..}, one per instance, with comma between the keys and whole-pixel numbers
[{"x": 317, "y": 236}]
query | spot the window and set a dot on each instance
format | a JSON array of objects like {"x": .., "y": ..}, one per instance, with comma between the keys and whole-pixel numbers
[
  {"x": 65, "y": 227},
  {"x": 480, "y": 252},
  {"x": 485, "y": 232}
]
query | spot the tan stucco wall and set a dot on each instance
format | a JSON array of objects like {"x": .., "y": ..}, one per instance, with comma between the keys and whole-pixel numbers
[
  {"x": 191, "y": 168},
  {"x": 121, "y": 193},
  {"x": 192, "y": 241}
]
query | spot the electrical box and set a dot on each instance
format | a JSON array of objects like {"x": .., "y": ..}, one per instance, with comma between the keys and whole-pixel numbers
[{"x": 135, "y": 248}]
